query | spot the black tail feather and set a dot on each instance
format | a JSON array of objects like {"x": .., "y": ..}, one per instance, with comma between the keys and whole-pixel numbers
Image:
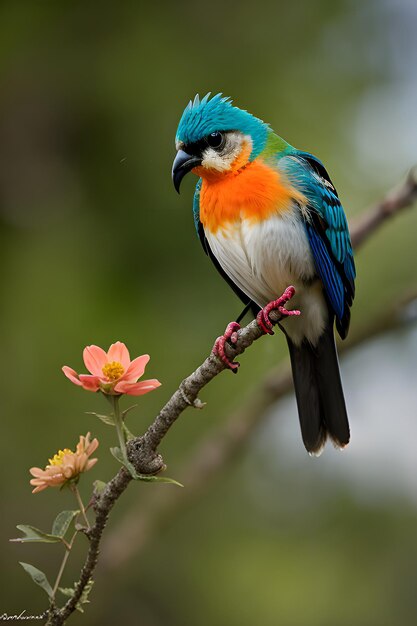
[
  {"x": 319, "y": 393},
  {"x": 307, "y": 395},
  {"x": 331, "y": 391}
]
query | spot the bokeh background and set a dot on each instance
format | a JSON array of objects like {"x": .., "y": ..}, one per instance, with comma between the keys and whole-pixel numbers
[{"x": 97, "y": 247}]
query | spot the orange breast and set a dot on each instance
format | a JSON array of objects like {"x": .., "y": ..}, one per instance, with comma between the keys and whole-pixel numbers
[{"x": 254, "y": 192}]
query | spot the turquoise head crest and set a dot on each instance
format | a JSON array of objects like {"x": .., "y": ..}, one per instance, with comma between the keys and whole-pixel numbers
[{"x": 205, "y": 116}]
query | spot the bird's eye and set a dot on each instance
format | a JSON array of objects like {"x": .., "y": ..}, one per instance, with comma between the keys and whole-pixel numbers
[{"x": 215, "y": 140}]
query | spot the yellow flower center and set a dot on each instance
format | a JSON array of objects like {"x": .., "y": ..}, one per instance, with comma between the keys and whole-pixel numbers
[
  {"x": 59, "y": 456},
  {"x": 113, "y": 370}
]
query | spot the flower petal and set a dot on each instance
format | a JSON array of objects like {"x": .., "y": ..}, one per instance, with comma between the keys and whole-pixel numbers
[
  {"x": 90, "y": 464},
  {"x": 136, "y": 368},
  {"x": 71, "y": 374},
  {"x": 85, "y": 446},
  {"x": 69, "y": 470},
  {"x": 118, "y": 352},
  {"x": 37, "y": 472},
  {"x": 94, "y": 359},
  {"x": 92, "y": 447},
  {"x": 91, "y": 383},
  {"x": 137, "y": 389},
  {"x": 39, "y": 488}
]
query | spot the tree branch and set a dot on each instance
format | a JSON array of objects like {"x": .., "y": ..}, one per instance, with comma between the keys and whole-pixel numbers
[
  {"x": 401, "y": 197},
  {"x": 143, "y": 450},
  {"x": 102, "y": 507},
  {"x": 219, "y": 448},
  {"x": 217, "y": 451}
]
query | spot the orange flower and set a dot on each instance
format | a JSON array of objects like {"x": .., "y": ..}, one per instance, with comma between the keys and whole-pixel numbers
[
  {"x": 65, "y": 465},
  {"x": 112, "y": 372}
]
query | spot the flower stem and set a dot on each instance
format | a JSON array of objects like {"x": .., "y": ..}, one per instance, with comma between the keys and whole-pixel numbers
[
  {"x": 74, "y": 489},
  {"x": 63, "y": 564},
  {"x": 118, "y": 420}
]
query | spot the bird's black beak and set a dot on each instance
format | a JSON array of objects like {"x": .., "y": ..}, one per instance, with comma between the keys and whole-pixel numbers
[{"x": 183, "y": 163}]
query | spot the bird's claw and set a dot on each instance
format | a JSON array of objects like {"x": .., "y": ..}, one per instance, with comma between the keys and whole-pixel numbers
[
  {"x": 263, "y": 319},
  {"x": 230, "y": 334}
]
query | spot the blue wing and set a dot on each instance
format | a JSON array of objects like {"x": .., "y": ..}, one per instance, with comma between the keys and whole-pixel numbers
[{"x": 328, "y": 234}]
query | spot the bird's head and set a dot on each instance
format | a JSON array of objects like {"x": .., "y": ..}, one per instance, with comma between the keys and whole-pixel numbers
[{"x": 215, "y": 138}]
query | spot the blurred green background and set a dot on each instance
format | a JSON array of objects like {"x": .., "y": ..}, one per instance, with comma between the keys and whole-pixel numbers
[{"x": 96, "y": 246}]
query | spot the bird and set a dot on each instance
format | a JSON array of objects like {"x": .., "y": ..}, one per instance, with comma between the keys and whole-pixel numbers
[{"x": 269, "y": 217}]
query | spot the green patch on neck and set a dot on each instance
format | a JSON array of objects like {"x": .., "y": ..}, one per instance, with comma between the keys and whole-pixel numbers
[{"x": 274, "y": 145}]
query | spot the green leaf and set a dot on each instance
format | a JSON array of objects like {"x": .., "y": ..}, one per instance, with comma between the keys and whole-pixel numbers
[
  {"x": 129, "y": 435},
  {"x": 129, "y": 408},
  {"x": 69, "y": 592},
  {"x": 34, "y": 534},
  {"x": 159, "y": 479},
  {"x": 99, "y": 486},
  {"x": 62, "y": 522},
  {"x": 38, "y": 577},
  {"x": 117, "y": 453},
  {"x": 107, "y": 419}
]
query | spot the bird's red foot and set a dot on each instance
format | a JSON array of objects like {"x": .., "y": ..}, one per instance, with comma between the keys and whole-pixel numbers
[
  {"x": 262, "y": 318},
  {"x": 230, "y": 334}
]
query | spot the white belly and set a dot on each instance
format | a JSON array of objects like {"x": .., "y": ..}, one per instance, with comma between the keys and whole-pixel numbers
[{"x": 266, "y": 257}]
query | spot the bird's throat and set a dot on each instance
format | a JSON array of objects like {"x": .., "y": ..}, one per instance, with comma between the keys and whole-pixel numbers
[{"x": 254, "y": 191}]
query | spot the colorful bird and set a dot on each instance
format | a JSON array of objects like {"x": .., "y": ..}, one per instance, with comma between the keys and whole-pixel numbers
[{"x": 269, "y": 216}]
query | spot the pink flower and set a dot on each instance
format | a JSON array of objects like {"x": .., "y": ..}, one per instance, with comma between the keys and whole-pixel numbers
[
  {"x": 65, "y": 465},
  {"x": 112, "y": 372}
]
